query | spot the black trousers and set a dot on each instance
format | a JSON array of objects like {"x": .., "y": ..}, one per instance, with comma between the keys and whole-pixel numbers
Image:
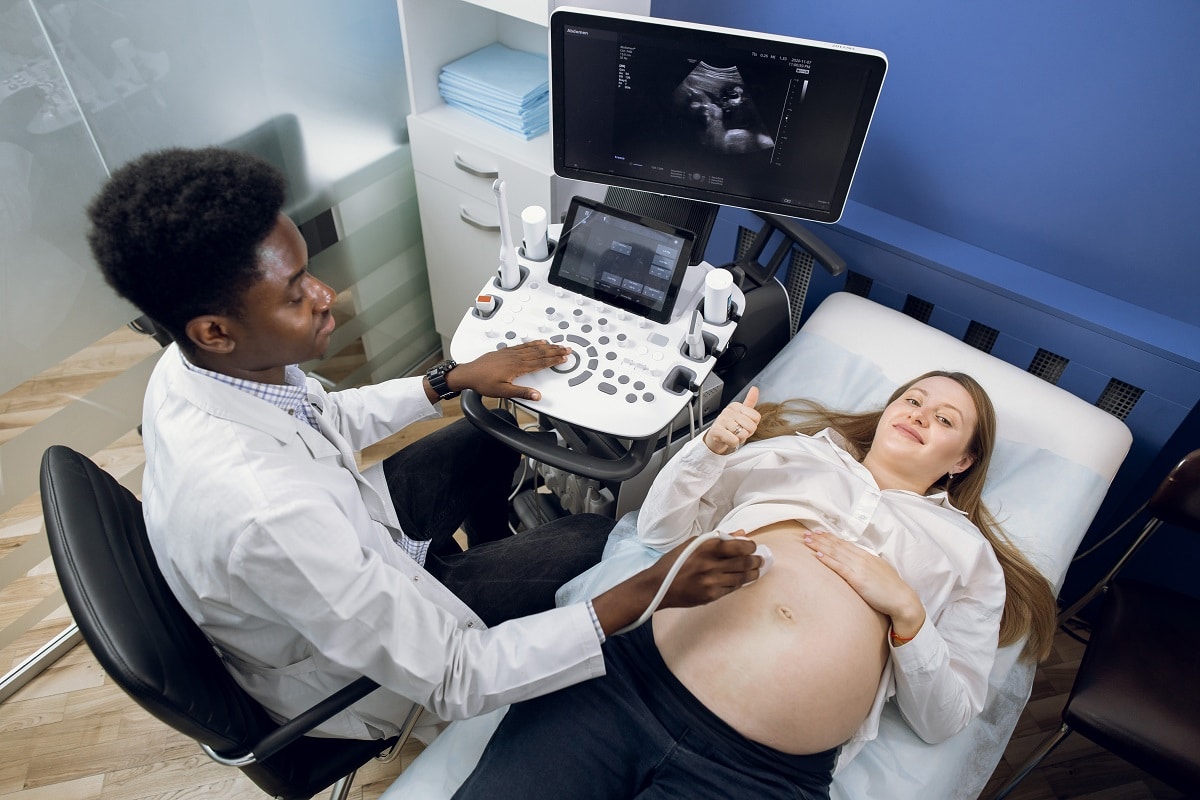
[
  {"x": 460, "y": 476},
  {"x": 636, "y": 733}
]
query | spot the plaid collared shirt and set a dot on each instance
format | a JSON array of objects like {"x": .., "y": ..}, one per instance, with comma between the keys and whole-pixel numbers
[{"x": 292, "y": 397}]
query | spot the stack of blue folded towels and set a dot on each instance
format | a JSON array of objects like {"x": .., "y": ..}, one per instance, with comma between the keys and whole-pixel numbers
[{"x": 508, "y": 88}]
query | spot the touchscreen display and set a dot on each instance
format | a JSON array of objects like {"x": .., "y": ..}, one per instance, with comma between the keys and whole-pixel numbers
[{"x": 620, "y": 258}]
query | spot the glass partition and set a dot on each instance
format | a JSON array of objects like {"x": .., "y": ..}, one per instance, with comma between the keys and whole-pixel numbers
[{"x": 317, "y": 88}]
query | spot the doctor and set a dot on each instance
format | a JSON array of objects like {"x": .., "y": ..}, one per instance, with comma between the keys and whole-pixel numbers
[{"x": 304, "y": 571}]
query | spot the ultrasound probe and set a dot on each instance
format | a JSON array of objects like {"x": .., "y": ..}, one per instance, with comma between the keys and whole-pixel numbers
[
  {"x": 759, "y": 550},
  {"x": 510, "y": 270}
]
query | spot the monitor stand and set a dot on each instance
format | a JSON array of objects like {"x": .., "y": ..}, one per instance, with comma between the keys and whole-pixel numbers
[{"x": 693, "y": 215}]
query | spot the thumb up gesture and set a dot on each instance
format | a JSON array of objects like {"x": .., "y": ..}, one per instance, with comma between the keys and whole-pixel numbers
[{"x": 735, "y": 424}]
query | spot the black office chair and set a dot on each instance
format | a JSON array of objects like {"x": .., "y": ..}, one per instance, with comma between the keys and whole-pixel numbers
[
  {"x": 143, "y": 638},
  {"x": 1137, "y": 692}
]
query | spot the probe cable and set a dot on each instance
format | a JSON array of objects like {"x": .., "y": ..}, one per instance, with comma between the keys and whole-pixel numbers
[{"x": 666, "y": 584}]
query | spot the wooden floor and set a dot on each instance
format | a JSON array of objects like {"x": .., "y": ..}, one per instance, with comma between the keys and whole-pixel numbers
[{"x": 71, "y": 735}]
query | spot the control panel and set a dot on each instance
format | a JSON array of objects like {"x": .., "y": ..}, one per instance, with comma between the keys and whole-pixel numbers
[{"x": 628, "y": 376}]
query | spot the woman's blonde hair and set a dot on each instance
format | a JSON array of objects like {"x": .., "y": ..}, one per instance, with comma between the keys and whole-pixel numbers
[{"x": 1029, "y": 602}]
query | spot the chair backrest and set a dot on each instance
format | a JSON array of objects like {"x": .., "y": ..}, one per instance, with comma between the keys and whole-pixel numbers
[
  {"x": 148, "y": 644},
  {"x": 1177, "y": 500},
  {"x": 127, "y": 613}
]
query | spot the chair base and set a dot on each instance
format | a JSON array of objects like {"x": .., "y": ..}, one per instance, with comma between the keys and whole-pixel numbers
[
  {"x": 341, "y": 789},
  {"x": 1044, "y": 749}
]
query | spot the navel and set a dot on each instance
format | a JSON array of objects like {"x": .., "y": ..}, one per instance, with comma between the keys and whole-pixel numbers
[{"x": 784, "y": 612}]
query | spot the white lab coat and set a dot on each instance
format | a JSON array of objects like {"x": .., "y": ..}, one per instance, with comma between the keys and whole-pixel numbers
[{"x": 283, "y": 553}]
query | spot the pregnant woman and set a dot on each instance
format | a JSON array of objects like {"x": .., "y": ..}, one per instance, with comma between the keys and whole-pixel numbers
[{"x": 890, "y": 581}]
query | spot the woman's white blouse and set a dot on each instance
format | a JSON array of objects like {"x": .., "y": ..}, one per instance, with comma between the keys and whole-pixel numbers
[{"x": 939, "y": 679}]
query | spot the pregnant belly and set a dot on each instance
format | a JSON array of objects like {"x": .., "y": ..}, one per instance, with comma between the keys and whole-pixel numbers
[{"x": 792, "y": 661}]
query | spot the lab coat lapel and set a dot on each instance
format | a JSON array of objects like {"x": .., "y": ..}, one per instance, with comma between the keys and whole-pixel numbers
[
  {"x": 331, "y": 444},
  {"x": 227, "y": 402}
]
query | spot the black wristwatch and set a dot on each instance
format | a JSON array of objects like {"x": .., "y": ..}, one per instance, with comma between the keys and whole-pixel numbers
[{"x": 437, "y": 379}]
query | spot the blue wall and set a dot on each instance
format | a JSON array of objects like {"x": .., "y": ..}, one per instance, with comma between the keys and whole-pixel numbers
[
  {"x": 1048, "y": 152},
  {"x": 1060, "y": 135}
]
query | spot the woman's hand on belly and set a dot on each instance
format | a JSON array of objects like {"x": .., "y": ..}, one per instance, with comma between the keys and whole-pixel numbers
[{"x": 875, "y": 581}]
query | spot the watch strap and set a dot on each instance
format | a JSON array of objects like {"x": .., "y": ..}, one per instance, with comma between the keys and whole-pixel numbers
[{"x": 437, "y": 379}]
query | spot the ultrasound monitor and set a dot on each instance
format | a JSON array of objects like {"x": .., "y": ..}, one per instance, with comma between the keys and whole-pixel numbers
[{"x": 758, "y": 121}]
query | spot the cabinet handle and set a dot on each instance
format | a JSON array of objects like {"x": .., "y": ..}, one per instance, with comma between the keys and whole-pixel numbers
[
  {"x": 490, "y": 175},
  {"x": 474, "y": 223}
]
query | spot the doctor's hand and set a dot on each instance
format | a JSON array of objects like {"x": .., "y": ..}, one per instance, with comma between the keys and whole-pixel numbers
[
  {"x": 734, "y": 425},
  {"x": 875, "y": 580},
  {"x": 493, "y": 374},
  {"x": 716, "y": 568}
]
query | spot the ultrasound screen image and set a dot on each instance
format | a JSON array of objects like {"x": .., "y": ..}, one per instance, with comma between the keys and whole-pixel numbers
[
  {"x": 766, "y": 123},
  {"x": 714, "y": 101}
]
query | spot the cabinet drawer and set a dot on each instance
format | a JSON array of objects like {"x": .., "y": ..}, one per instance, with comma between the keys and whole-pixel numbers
[
  {"x": 459, "y": 255},
  {"x": 472, "y": 168}
]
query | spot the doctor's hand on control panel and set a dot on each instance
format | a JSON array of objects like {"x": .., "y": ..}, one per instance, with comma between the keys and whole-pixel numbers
[{"x": 493, "y": 374}]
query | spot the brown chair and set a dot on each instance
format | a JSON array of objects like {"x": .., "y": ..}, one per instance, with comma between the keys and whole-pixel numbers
[
  {"x": 150, "y": 647},
  {"x": 1137, "y": 692}
]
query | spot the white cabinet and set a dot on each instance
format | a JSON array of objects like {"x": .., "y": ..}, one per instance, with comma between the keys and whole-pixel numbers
[{"x": 457, "y": 156}]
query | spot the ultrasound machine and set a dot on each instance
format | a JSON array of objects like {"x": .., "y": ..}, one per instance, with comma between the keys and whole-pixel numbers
[{"x": 677, "y": 121}]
